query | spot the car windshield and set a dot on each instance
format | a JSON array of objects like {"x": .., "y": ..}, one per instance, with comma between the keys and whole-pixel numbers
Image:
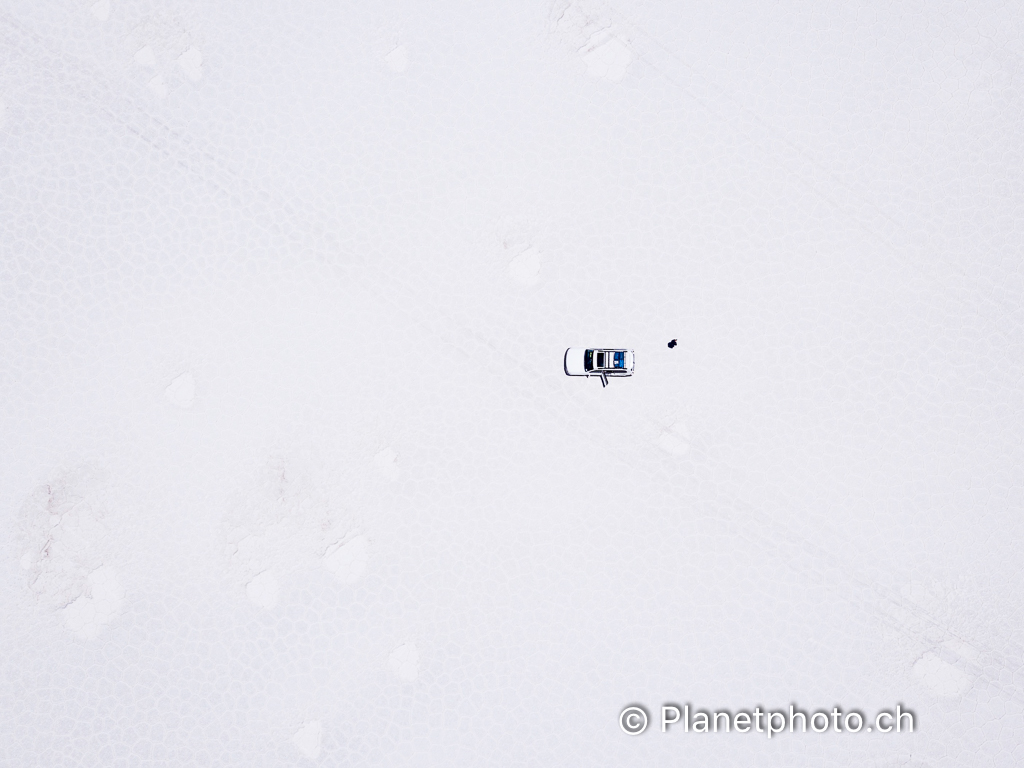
[{"x": 588, "y": 360}]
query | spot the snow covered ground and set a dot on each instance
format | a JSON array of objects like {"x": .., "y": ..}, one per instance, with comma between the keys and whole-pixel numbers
[{"x": 290, "y": 472}]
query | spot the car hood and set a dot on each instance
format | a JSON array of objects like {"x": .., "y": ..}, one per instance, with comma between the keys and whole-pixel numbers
[{"x": 574, "y": 361}]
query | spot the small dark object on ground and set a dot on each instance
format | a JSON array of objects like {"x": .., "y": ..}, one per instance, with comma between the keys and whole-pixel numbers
[{"x": 672, "y": 344}]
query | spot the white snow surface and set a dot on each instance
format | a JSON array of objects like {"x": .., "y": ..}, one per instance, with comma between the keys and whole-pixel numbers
[
  {"x": 309, "y": 739},
  {"x": 263, "y": 590},
  {"x": 404, "y": 662},
  {"x": 525, "y": 267},
  {"x": 182, "y": 391},
  {"x": 284, "y": 294},
  {"x": 398, "y": 59}
]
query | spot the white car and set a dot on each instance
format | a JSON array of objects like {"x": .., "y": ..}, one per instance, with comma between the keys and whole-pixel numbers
[{"x": 580, "y": 361}]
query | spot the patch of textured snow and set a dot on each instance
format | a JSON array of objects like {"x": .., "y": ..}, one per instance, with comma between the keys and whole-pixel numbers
[
  {"x": 87, "y": 615},
  {"x": 157, "y": 87},
  {"x": 398, "y": 59},
  {"x": 917, "y": 593},
  {"x": 285, "y": 545},
  {"x": 101, "y": 9},
  {"x": 964, "y": 650},
  {"x": 282, "y": 523},
  {"x": 347, "y": 561},
  {"x": 309, "y": 739},
  {"x": 606, "y": 55},
  {"x": 71, "y": 532},
  {"x": 941, "y": 677},
  {"x": 182, "y": 391},
  {"x": 404, "y": 662},
  {"x": 940, "y": 599},
  {"x": 191, "y": 64},
  {"x": 675, "y": 440},
  {"x": 525, "y": 267},
  {"x": 386, "y": 464},
  {"x": 145, "y": 57},
  {"x": 263, "y": 590}
]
